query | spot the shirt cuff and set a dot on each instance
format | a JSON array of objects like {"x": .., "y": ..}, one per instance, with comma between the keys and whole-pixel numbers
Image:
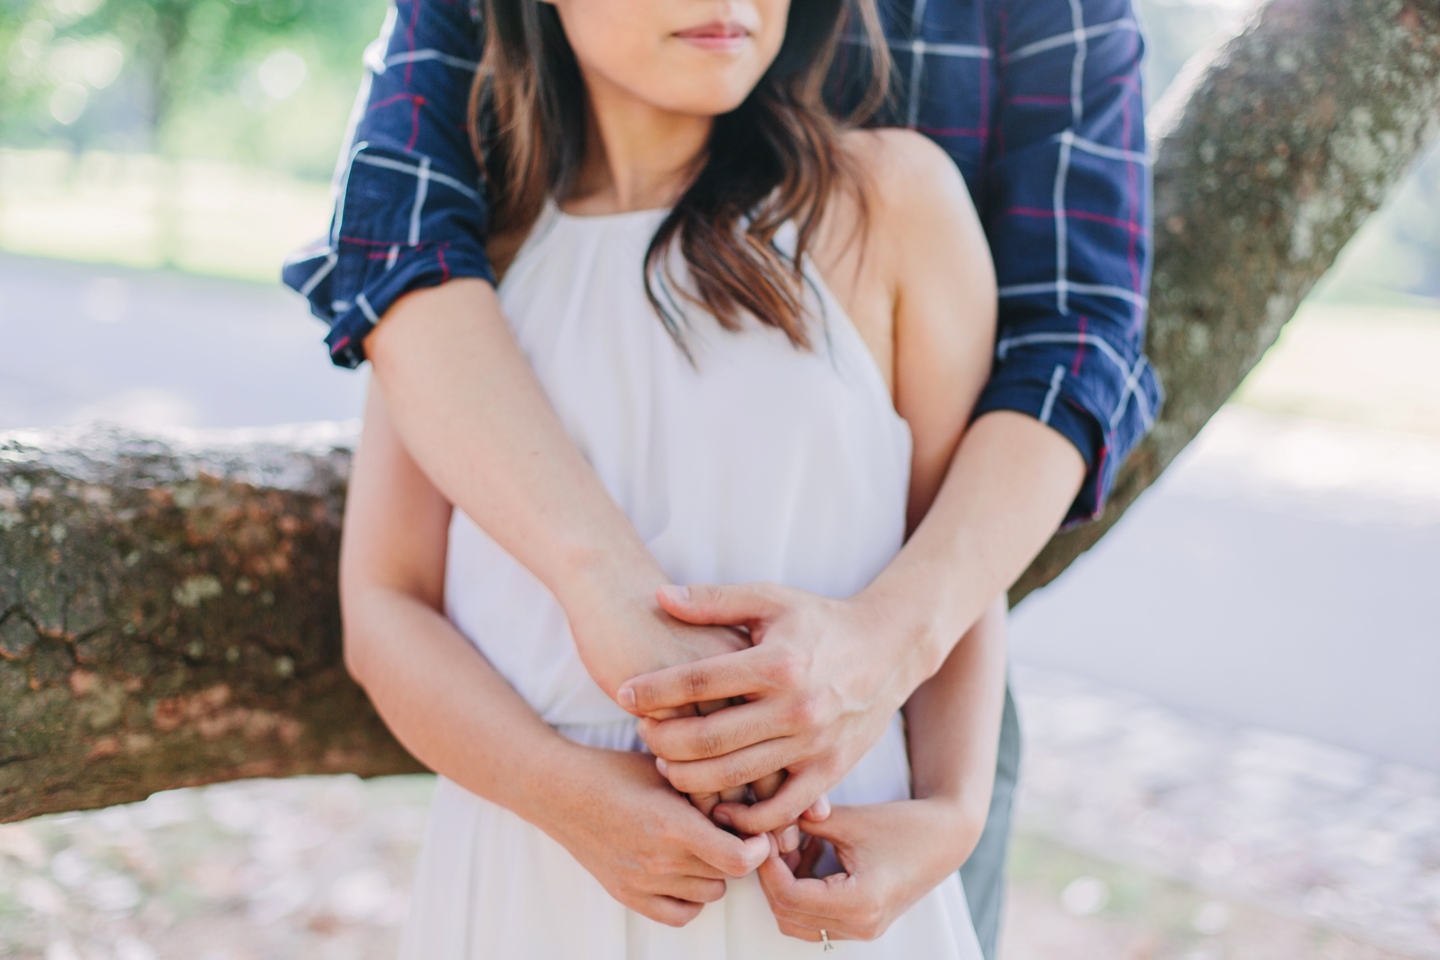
[
  {"x": 419, "y": 267},
  {"x": 1067, "y": 415}
]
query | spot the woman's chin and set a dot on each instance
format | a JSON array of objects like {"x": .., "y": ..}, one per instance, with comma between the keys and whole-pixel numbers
[{"x": 712, "y": 101}]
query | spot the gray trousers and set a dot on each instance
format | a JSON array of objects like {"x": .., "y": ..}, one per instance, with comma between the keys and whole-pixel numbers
[{"x": 984, "y": 873}]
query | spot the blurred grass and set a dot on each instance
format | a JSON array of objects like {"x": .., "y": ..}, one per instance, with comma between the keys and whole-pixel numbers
[
  {"x": 1130, "y": 913},
  {"x": 137, "y": 210},
  {"x": 1369, "y": 364}
]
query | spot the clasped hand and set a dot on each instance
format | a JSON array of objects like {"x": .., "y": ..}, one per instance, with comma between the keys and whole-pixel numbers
[
  {"x": 809, "y": 708},
  {"x": 806, "y": 711}
]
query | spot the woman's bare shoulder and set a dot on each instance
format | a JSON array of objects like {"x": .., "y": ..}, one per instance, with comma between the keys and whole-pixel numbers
[{"x": 910, "y": 179}]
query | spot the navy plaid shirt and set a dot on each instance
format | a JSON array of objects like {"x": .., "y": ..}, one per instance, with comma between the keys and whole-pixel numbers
[{"x": 1038, "y": 102}]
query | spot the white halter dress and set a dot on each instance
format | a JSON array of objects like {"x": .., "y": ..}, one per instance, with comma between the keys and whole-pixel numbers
[{"x": 758, "y": 461}]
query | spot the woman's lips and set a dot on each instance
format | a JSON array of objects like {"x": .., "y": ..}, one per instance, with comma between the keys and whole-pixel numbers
[{"x": 717, "y": 36}]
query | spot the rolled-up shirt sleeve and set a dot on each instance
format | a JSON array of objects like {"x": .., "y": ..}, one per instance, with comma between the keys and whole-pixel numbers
[
  {"x": 409, "y": 204},
  {"x": 1067, "y": 211}
]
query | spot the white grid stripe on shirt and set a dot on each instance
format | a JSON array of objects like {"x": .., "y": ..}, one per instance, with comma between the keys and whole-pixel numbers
[
  {"x": 917, "y": 62},
  {"x": 363, "y": 303},
  {"x": 1063, "y": 39},
  {"x": 1132, "y": 384},
  {"x": 1132, "y": 374},
  {"x": 1093, "y": 289},
  {"x": 1110, "y": 153},
  {"x": 1062, "y": 232},
  {"x": 420, "y": 56},
  {"x": 374, "y": 56},
  {"x": 414, "y": 171},
  {"x": 1077, "y": 69},
  {"x": 1100, "y": 343},
  {"x": 917, "y": 17},
  {"x": 321, "y": 272},
  {"x": 336, "y": 221},
  {"x": 422, "y": 187},
  {"x": 1048, "y": 407},
  {"x": 963, "y": 51}
]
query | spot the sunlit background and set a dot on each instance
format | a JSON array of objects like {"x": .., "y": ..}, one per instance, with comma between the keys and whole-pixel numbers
[{"x": 1233, "y": 728}]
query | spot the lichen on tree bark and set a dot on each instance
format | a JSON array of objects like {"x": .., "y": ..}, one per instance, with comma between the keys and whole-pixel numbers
[
  {"x": 168, "y": 616},
  {"x": 168, "y": 610}
]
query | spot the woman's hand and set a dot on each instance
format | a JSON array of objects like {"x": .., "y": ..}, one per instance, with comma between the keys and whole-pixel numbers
[
  {"x": 648, "y": 847},
  {"x": 821, "y": 683},
  {"x": 622, "y": 632},
  {"x": 893, "y": 854},
  {"x": 617, "y": 639}
]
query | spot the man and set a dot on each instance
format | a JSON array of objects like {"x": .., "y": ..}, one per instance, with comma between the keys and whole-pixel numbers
[{"x": 1039, "y": 105}]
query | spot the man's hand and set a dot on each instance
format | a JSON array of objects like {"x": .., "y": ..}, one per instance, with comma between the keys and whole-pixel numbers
[
  {"x": 821, "y": 683},
  {"x": 893, "y": 854},
  {"x": 648, "y": 847},
  {"x": 616, "y": 641},
  {"x": 621, "y": 632}
]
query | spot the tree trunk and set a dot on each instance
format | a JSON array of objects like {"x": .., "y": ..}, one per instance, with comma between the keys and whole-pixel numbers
[
  {"x": 168, "y": 611},
  {"x": 1269, "y": 154}
]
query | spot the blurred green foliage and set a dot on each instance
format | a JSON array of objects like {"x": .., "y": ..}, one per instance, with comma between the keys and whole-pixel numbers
[
  {"x": 264, "y": 82},
  {"x": 269, "y": 83}
]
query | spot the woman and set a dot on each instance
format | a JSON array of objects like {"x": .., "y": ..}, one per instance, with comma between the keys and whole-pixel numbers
[{"x": 755, "y": 345}]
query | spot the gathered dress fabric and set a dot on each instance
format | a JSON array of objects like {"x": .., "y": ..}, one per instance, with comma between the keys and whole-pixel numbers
[{"x": 747, "y": 460}]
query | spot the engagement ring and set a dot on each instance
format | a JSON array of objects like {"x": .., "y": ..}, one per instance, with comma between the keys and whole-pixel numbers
[{"x": 825, "y": 939}]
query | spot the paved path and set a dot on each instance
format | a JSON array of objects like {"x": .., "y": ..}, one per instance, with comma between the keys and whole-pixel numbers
[
  {"x": 1285, "y": 571},
  {"x": 1285, "y": 574},
  {"x": 150, "y": 349}
]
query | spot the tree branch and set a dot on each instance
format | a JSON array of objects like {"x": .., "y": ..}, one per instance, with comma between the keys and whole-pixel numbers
[{"x": 169, "y": 617}]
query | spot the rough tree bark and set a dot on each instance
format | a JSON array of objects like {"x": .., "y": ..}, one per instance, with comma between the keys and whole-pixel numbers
[
  {"x": 168, "y": 616},
  {"x": 1269, "y": 154},
  {"x": 168, "y": 611}
]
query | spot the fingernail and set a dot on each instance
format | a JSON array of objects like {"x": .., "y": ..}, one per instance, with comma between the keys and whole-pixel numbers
[
  {"x": 626, "y": 698},
  {"x": 720, "y": 816},
  {"x": 790, "y": 839},
  {"x": 676, "y": 594},
  {"x": 761, "y": 850},
  {"x": 820, "y": 809},
  {"x": 660, "y": 765}
]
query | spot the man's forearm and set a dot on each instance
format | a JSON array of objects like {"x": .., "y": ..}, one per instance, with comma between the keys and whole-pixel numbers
[{"x": 1006, "y": 492}]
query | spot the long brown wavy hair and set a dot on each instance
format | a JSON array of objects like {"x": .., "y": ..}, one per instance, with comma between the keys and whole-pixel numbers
[{"x": 774, "y": 159}]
